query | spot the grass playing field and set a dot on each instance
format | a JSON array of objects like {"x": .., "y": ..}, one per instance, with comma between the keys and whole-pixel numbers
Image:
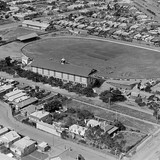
[{"x": 111, "y": 59}]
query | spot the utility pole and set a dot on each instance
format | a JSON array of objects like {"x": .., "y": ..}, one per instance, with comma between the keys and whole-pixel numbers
[
  {"x": 109, "y": 101},
  {"x": 116, "y": 116},
  {"x": 157, "y": 115}
]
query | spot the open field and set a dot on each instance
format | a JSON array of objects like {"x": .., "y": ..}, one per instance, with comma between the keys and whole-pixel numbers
[
  {"x": 12, "y": 50},
  {"x": 111, "y": 59},
  {"x": 109, "y": 116}
]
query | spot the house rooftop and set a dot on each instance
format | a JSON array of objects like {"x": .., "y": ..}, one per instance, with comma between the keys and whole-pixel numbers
[
  {"x": 39, "y": 114},
  {"x": 30, "y": 109},
  {"x": 26, "y": 102},
  {"x": 10, "y": 136},
  {"x": 23, "y": 143},
  {"x": 65, "y": 68},
  {"x": 93, "y": 122}
]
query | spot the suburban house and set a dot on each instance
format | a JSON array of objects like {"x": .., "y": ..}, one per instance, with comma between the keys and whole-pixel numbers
[
  {"x": 23, "y": 146},
  {"x": 77, "y": 130},
  {"x": 39, "y": 116},
  {"x": 9, "y": 138},
  {"x": 93, "y": 123},
  {"x": 30, "y": 109},
  {"x": 3, "y": 131}
]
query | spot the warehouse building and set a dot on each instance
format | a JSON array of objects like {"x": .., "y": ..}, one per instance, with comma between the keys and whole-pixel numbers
[
  {"x": 35, "y": 25},
  {"x": 64, "y": 71}
]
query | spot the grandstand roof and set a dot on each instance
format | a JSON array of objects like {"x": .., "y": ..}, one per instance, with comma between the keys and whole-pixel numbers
[
  {"x": 65, "y": 68},
  {"x": 28, "y": 36}
]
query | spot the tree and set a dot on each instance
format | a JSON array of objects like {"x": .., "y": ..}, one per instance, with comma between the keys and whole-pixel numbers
[
  {"x": 138, "y": 100},
  {"x": 88, "y": 91},
  {"x": 69, "y": 121},
  {"x": 148, "y": 89},
  {"x": 64, "y": 134},
  {"x": 106, "y": 96},
  {"x": 116, "y": 92},
  {"x": 8, "y": 60},
  {"x": 84, "y": 114},
  {"x": 119, "y": 125},
  {"x": 53, "y": 106},
  {"x": 3, "y": 6}
]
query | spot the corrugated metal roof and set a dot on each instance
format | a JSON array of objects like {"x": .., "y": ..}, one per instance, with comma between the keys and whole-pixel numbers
[
  {"x": 64, "y": 68},
  {"x": 26, "y": 102},
  {"x": 28, "y": 36}
]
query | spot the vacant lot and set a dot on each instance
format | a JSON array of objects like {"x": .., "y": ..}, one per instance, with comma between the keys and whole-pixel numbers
[
  {"x": 109, "y": 116},
  {"x": 109, "y": 58},
  {"x": 130, "y": 138}
]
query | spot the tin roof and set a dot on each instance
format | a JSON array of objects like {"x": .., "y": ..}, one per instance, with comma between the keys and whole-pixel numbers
[{"x": 64, "y": 68}]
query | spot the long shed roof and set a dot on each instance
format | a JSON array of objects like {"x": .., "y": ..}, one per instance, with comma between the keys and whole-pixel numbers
[
  {"x": 64, "y": 68},
  {"x": 28, "y": 36}
]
